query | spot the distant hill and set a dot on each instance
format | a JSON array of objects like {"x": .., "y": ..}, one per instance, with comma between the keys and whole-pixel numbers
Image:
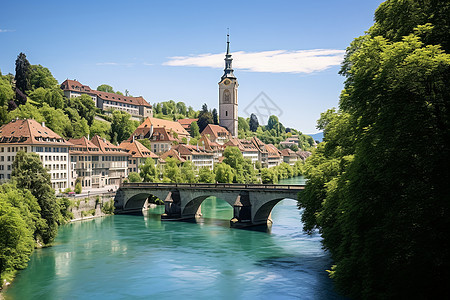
[{"x": 317, "y": 136}]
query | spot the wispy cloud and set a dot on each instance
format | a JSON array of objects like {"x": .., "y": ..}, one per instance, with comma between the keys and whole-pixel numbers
[
  {"x": 148, "y": 64},
  {"x": 276, "y": 61},
  {"x": 6, "y": 30},
  {"x": 115, "y": 64}
]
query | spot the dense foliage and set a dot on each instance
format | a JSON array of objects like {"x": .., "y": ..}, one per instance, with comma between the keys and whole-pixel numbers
[
  {"x": 378, "y": 185},
  {"x": 29, "y": 213}
]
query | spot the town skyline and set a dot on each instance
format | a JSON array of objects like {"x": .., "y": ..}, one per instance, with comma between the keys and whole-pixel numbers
[{"x": 164, "y": 52}]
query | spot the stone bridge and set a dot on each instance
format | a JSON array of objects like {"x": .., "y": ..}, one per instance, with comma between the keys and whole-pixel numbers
[{"x": 252, "y": 203}]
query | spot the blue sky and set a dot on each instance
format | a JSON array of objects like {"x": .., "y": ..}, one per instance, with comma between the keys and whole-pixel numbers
[{"x": 163, "y": 50}]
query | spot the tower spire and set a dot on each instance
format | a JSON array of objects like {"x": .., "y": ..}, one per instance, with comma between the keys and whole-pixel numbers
[
  {"x": 228, "y": 71},
  {"x": 228, "y": 41}
]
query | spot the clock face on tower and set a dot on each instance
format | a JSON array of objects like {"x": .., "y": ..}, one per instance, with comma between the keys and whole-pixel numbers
[{"x": 227, "y": 82}]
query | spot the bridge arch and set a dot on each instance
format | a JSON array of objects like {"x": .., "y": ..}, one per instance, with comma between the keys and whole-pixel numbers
[
  {"x": 263, "y": 213},
  {"x": 193, "y": 205},
  {"x": 138, "y": 201}
]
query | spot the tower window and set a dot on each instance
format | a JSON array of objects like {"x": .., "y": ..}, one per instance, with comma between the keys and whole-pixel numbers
[{"x": 226, "y": 113}]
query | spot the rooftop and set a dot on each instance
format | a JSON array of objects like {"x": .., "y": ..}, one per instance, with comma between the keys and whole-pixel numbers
[{"x": 29, "y": 132}]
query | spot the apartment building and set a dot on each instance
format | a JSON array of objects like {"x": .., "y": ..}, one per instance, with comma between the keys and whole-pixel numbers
[
  {"x": 30, "y": 136},
  {"x": 137, "y": 107}
]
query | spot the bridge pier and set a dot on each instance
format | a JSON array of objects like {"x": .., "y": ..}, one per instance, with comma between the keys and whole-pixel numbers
[
  {"x": 242, "y": 211},
  {"x": 172, "y": 205}
]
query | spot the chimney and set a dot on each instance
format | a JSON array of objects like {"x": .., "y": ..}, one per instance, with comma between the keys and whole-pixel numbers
[
  {"x": 43, "y": 124},
  {"x": 151, "y": 130},
  {"x": 88, "y": 137},
  {"x": 133, "y": 138}
]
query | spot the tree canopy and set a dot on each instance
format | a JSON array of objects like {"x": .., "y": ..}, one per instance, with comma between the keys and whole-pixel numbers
[
  {"x": 377, "y": 186},
  {"x": 105, "y": 88}
]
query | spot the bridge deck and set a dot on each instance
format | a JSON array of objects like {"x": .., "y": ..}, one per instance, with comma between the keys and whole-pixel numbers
[{"x": 216, "y": 186}]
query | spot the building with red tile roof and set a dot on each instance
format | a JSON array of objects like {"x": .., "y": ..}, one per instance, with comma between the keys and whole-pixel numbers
[
  {"x": 303, "y": 155},
  {"x": 31, "y": 136},
  {"x": 274, "y": 157},
  {"x": 215, "y": 148},
  {"x": 262, "y": 151},
  {"x": 186, "y": 123},
  {"x": 137, "y": 107},
  {"x": 199, "y": 156},
  {"x": 172, "y": 153},
  {"x": 162, "y": 134},
  {"x": 139, "y": 153},
  {"x": 289, "y": 156},
  {"x": 217, "y": 134},
  {"x": 246, "y": 147},
  {"x": 97, "y": 162}
]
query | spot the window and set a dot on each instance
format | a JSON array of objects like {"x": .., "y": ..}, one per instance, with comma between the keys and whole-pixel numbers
[{"x": 226, "y": 113}]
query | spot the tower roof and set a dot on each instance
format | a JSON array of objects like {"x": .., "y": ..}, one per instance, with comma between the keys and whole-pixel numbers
[{"x": 228, "y": 71}]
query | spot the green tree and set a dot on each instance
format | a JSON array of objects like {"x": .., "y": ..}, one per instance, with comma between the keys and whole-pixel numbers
[
  {"x": 6, "y": 96},
  {"x": 134, "y": 177},
  {"x": 41, "y": 77},
  {"x": 172, "y": 171},
  {"x": 29, "y": 173},
  {"x": 23, "y": 73},
  {"x": 26, "y": 111},
  {"x": 105, "y": 88},
  {"x": 243, "y": 125},
  {"x": 56, "y": 120},
  {"x": 85, "y": 106},
  {"x": 294, "y": 147},
  {"x": 181, "y": 108},
  {"x": 192, "y": 113},
  {"x": 78, "y": 188},
  {"x": 122, "y": 125},
  {"x": 376, "y": 186},
  {"x": 100, "y": 128},
  {"x": 268, "y": 176},
  {"x": 204, "y": 118},
  {"x": 148, "y": 171},
  {"x": 16, "y": 240},
  {"x": 224, "y": 173},
  {"x": 188, "y": 172},
  {"x": 206, "y": 175},
  {"x": 195, "y": 131},
  {"x": 80, "y": 128}
]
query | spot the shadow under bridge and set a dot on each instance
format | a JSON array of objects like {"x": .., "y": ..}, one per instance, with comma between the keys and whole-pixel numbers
[{"x": 252, "y": 203}]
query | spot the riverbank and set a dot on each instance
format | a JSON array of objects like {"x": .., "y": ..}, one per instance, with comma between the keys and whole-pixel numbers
[{"x": 89, "y": 207}]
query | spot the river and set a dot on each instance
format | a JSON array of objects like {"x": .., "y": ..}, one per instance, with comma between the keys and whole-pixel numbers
[{"x": 140, "y": 257}]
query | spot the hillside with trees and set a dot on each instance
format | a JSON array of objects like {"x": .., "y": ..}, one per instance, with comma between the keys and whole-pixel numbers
[{"x": 378, "y": 186}]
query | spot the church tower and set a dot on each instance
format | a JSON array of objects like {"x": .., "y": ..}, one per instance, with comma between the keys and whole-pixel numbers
[{"x": 228, "y": 96}]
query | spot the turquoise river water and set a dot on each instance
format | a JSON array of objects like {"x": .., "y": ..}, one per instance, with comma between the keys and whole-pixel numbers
[{"x": 140, "y": 257}]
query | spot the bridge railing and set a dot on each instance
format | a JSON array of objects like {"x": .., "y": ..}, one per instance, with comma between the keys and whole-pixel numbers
[{"x": 225, "y": 186}]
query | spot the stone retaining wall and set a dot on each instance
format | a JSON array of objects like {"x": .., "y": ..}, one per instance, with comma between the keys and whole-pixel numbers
[{"x": 88, "y": 207}]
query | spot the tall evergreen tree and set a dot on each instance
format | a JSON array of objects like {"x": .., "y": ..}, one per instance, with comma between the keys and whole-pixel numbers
[
  {"x": 23, "y": 73},
  {"x": 204, "y": 118},
  {"x": 253, "y": 122},
  {"x": 215, "y": 117}
]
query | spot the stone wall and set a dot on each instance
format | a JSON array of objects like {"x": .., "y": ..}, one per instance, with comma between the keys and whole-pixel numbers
[{"x": 89, "y": 207}]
